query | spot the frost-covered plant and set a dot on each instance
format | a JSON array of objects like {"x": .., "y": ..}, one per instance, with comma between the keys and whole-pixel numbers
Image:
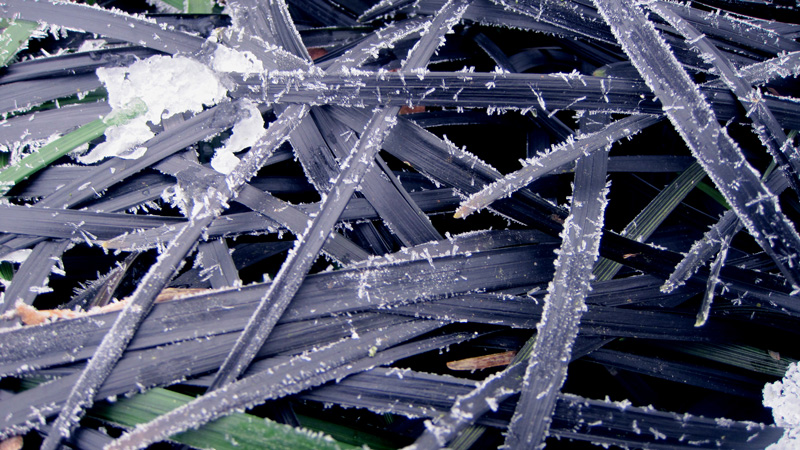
[{"x": 314, "y": 212}]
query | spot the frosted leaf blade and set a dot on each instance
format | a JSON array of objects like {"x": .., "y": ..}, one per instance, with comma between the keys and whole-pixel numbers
[
  {"x": 693, "y": 118},
  {"x": 557, "y": 156}
]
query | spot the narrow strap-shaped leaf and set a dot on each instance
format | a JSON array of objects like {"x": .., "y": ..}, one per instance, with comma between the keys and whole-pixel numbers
[
  {"x": 726, "y": 26},
  {"x": 31, "y": 279},
  {"x": 300, "y": 259},
  {"x": 43, "y": 124},
  {"x": 603, "y": 422},
  {"x": 115, "y": 341},
  {"x": 199, "y": 6},
  {"x": 24, "y": 94},
  {"x": 165, "y": 364},
  {"x": 385, "y": 193},
  {"x": 299, "y": 373},
  {"x": 74, "y": 63},
  {"x": 743, "y": 356},
  {"x": 782, "y": 66},
  {"x": 128, "y": 197},
  {"x": 485, "y": 396},
  {"x": 285, "y": 33},
  {"x": 711, "y": 284},
  {"x": 764, "y": 123},
  {"x": 711, "y": 243},
  {"x": 392, "y": 285},
  {"x": 313, "y": 152},
  {"x": 106, "y": 23},
  {"x": 481, "y": 90},
  {"x": 654, "y": 214},
  {"x": 561, "y": 19},
  {"x": 110, "y": 349},
  {"x": 691, "y": 115},
  {"x": 326, "y": 12},
  {"x": 71, "y": 223},
  {"x": 238, "y": 429},
  {"x": 215, "y": 257},
  {"x": 719, "y": 380},
  {"x": 202, "y": 126},
  {"x": 555, "y": 157},
  {"x": 13, "y": 174},
  {"x": 564, "y": 305},
  {"x": 452, "y": 166},
  {"x": 579, "y": 19}
]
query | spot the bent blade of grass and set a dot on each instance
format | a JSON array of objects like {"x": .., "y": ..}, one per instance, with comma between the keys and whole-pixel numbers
[
  {"x": 35, "y": 162},
  {"x": 556, "y": 157},
  {"x": 654, "y": 214},
  {"x": 238, "y": 429},
  {"x": 690, "y": 114},
  {"x": 15, "y": 38}
]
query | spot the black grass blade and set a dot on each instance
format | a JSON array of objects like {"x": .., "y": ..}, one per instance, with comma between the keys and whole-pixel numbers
[
  {"x": 300, "y": 259},
  {"x": 105, "y": 23},
  {"x": 755, "y": 205},
  {"x": 327, "y": 363},
  {"x": 764, "y": 123},
  {"x": 564, "y": 305},
  {"x": 113, "y": 345},
  {"x": 556, "y": 157},
  {"x": 290, "y": 247}
]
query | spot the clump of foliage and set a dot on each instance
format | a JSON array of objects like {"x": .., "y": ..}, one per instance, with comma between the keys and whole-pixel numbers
[{"x": 334, "y": 224}]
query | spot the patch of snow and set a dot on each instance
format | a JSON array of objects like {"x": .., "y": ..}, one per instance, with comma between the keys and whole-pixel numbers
[
  {"x": 227, "y": 60},
  {"x": 784, "y": 399},
  {"x": 91, "y": 45},
  {"x": 18, "y": 256},
  {"x": 246, "y": 133},
  {"x": 167, "y": 85}
]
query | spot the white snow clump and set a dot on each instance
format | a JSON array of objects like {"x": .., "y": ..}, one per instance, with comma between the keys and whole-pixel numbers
[
  {"x": 784, "y": 399},
  {"x": 246, "y": 133},
  {"x": 168, "y": 85}
]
